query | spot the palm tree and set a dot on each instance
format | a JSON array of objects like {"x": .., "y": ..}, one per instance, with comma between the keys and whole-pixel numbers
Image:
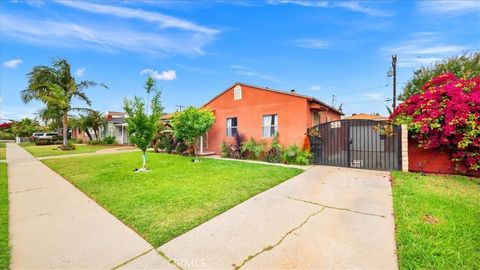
[
  {"x": 82, "y": 123},
  {"x": 56, "y": 87},
  {"x": 96, "y": 120},
  {"x": 51, "y": 116}
]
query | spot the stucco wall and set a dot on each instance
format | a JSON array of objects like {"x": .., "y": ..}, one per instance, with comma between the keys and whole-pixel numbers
[
  {"x": 294, "y": 115},
  {"x": 431, "y": 161}
]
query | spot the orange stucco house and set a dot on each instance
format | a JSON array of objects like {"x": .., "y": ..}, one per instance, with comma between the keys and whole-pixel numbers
[{"x": 261, "y": 112}]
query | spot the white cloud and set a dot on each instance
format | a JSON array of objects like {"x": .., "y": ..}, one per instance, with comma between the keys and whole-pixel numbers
[
  {"x": 311, "y": 43},
  {"x": 80, "y": 72},
  {"x": 101, "y": 37},
  {"x": 375, "y": 96},
  {"x": 423, "y": 49},
  {"x": 164, "y": 21},
  {"x": 449, "y": 7},
  {"x": 166, "y": 75},
  {"x": 245, "y": 71},
  {"x": 315, "y": 88},
  {"x": 12, "y": 63},
  {"x": 355, "y": 6}
]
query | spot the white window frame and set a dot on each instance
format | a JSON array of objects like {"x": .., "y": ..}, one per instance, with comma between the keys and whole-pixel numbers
[
  {"x": 229, "y": 127},
  {"x": 267, "y": 128},
  {"x": 237, "y": 92}
]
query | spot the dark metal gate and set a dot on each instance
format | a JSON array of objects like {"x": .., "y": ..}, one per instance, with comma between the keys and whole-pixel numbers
[{"x": 363, "y": 144}]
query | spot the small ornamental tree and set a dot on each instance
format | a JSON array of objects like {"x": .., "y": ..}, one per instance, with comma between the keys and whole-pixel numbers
[
  {"x": 446, "y": 115},
  {"x": 192, "y": 123},
  {"x": 142, "y": 127}
]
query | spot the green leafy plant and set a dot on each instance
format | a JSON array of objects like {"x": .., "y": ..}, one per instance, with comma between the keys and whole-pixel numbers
[
  {"x": 295, "y": 155},
  {"x": 25, "y": 127},
  {"x": 69, "y": 146},
  {"x": 465, "y": 66},
  {"x": 109, "y": 140},
  {"x": 253, "y": 149},
  {"x": 274, "y": 154},
  {"x": 225, "y": 150},
  {"x": 192, "y": 123},
  {"x": 142, "y": 126}
]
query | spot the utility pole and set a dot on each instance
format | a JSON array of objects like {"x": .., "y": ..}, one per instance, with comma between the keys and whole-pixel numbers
[{"x": 394, "y": 68}]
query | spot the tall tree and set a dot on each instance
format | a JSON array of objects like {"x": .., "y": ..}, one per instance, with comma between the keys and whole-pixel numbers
[
  {"x": 56, "y": 88},
  {"x": 192, "y": 123},
  {"x": 96, "y": 120},
  {"x": 142, "y": 127},
  {"x": 465, "y": 66}
]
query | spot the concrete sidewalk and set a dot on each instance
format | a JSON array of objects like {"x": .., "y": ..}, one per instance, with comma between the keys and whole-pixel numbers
[
  {"x": 324, "y": 218},
  {"x": 55, "y": 226}
]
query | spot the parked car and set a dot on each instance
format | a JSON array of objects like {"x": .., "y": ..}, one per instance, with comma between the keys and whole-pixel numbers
[
  {"x": 35, "y": 135},
  {"x": 48, "y": 138}
]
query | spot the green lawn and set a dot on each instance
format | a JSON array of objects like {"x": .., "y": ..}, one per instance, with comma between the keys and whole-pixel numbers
[
  {"x": 3, "y": 151},
  {"x": 52, "y": 150},
  {"x": 437, "y": 221},
  {"x": 176, "y": 196},
  {"x": 4, "y": 247}
]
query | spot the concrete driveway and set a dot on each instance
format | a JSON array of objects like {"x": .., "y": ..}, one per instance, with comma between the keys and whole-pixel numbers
[{"x": 324, "y": 218}]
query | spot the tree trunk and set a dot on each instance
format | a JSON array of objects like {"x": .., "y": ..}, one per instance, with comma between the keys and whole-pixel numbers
[
  {"x": 144, "y": 160},
  {"x": 88, "y": 134},
  {"x": 155, "y": 147},
  {"x": 65, "y": 127}
]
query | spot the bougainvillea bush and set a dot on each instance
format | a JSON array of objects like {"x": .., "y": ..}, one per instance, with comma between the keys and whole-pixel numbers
[{"x": 446, "y": 115}]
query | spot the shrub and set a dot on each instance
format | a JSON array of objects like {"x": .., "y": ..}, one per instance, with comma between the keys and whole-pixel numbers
[
  {"x": 69, "y": 146},
  {"x": 94, "y": 142},
  {"x": 166, "y": 142},
  {"x": 295, "y": 155},
  {"x": 237, "y": 146},
  {"x": 446, "y": 115},
  {"x": 274, "y": 154},
  {"x": 181, "y": 147},
  {"x": 109, "y": 140},
  {"x": 225, "y": 150},
  {"x": 253, "y": 149}
]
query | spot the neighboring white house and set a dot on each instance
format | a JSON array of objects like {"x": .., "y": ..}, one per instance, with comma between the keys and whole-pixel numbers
[{"x": 115, "y": 126}]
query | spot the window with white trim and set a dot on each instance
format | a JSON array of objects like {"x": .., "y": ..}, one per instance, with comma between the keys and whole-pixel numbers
[
  {"x": 237, "y": 92},
  {"x": 270, "y": 125},
  {"x": 231, "y": 126}
]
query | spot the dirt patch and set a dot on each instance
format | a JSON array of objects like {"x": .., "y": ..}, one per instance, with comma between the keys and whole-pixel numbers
[{"x": 430, "y": 219}]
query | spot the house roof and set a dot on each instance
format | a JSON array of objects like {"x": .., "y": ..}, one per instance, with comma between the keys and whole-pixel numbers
[
  {"x": 310, "y": 98},
  {"x": 366, "y": 116}
]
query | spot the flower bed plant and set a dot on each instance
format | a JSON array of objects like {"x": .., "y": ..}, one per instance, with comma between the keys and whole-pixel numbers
[
  {"x": 261, "y": 150},
  {"x": 446, "y": 115}
]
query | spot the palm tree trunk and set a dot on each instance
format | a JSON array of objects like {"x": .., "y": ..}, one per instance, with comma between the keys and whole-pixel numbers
[
  {"x": 65, "y": 127},
  {"x": 88, "y": 134}
]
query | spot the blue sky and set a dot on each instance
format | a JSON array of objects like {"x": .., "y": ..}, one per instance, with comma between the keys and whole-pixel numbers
[{"x": 195, "y": 49}]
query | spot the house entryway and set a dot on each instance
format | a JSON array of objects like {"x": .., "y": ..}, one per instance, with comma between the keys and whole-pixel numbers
[{"x": 365, "y": 144}]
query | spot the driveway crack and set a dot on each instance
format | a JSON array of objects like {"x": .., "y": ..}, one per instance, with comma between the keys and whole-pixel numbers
[
  {"x": 336, "y": 208},
  {"x": 170, "y": 260},
  {"x": 270, "y": 247}
]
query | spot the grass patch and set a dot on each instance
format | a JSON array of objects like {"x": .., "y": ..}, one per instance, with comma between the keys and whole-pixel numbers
[
  {"x": 52, "y": 150},
  {"x": 176, "y": 196},
  {"x": 3, "y": 151},
  {"x": 4, "y": 247},
  {"x": 437, "y": 221}
]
